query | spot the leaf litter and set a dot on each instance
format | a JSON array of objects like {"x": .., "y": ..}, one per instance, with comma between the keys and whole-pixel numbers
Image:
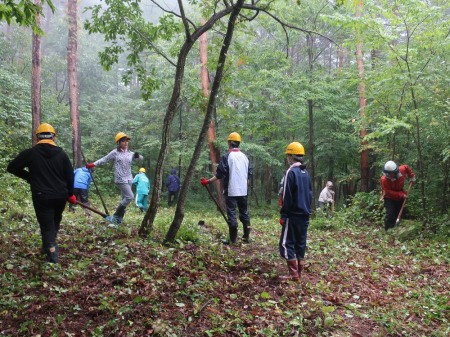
[{"x": 357, "y": 282}]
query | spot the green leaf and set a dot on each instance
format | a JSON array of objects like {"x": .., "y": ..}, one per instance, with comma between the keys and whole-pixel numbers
[
  {"x": 329, "y": 321},
  {"x": 328, "y": 309},
  {"x": 265, "y": 295}
]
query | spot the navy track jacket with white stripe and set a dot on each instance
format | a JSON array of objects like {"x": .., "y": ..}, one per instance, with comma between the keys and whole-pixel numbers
[{"x": 297, "y": 191}]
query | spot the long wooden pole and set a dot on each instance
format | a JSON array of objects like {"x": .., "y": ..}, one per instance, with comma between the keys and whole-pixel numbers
[
  {"x": 91, "y": 209},
  {"x": 217, "y": 204},
  {"x": 403, "y": 205}
]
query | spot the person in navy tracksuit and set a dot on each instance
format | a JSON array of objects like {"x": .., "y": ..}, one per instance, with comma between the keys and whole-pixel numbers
[
  {"x": 295, "y": 211},
  {"x": 235, "y": 169}
]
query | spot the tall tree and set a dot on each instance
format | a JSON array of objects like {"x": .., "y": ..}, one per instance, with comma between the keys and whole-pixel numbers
[
  {"x": 365, "y": 169},
  {"x": 190, "y": 39},
  {"x": 36, "y": 59},
  {"x": 72, "y": 47},
  {"x": 179, "y": 213},
  {"x": 214, "y": 152},
  {"x": 310, "y": 103}
]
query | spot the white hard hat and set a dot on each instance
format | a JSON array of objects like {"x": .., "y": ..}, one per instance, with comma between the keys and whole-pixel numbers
[{"x": 390, "y": 167}]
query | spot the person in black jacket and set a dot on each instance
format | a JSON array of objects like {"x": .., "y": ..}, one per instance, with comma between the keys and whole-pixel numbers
[
  {"x": 295, "y": 211},
  {"x": 50, "y": 175}
]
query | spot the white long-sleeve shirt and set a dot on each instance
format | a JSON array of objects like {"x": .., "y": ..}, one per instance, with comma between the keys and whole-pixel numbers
[
  {"x": 326, "y": 195},
  {"x": 236, "y": 169},
  {"x": 122, "y": 165}
]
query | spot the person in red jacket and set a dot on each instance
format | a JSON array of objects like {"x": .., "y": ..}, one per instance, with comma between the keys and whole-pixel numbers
[
  {"x": 48, "y": 170},
  {"x": 392, "y": 183}
]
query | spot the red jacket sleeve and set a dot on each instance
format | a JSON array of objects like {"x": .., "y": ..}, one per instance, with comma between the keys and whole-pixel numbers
[{"x": 408, "y": 172}]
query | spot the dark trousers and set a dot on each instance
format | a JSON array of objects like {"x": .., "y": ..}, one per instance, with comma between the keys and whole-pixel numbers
[
  {"x": 49, "y": 215},
  {"x": 294, "y": 235},
  {"x": 392, "y": 209},
  {"x": 241, "y": 204},
  {"x": 172, "y": 198},
  {"x": 82, "y": 195}
]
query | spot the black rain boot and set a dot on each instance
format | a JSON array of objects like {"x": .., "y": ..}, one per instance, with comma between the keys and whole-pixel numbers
[
  {"x": 247, "y": 230},
  {"x": 233, "y": 236},
  {"x": 119, "y": 214},
  {"x": 52, "y": 253},
  {"x": 117, "y": 217}
]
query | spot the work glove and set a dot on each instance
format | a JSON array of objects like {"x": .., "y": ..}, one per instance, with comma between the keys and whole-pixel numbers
[
  {"x": 280, "y": 201},
  {"x": 136, "y": 155},
  {"x": 90, "y": 165},
  {"x": 282, "y": 221},
  {"x": 204, "y": 181},
  {"x": 72, "y": 199}
]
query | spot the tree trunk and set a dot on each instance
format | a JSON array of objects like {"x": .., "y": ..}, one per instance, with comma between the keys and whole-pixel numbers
[
  {"x": 340, "y": 59},
  {"x": 420, "y": 156},
  {"x": 365, "y": 169},
  {"x": 445, "y": 185},
  {"x": 312, "y": 166},
  {"x": 72, "y": 45},
  {"x": 268, "y": 184},
  {"x": 36, "y": 58},
  {"x": 179, "y": 213},
  {"x": 214, "y": 152},
  {"x": 147, "y": 223}
]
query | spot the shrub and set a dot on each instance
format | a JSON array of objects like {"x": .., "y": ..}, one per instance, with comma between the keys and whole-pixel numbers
[{"x": 365, "y": 208}]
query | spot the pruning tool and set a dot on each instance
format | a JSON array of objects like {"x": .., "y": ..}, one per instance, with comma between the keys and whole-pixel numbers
[
  {"x": 96, "y": 187},
  {"x": 92, "y": 209},
  {"x": 403, "y": 205},
  {"x": 217, "y": 204}
]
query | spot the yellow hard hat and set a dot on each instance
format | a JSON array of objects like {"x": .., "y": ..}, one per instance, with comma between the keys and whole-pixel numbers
[
  {"x": 45, "y": 128},
  {"x": 295, "y": 148},
  {"x": 235, "y": 137},
  {"x": 142, "y": 170},
  {"x": 121, "y": 135}
]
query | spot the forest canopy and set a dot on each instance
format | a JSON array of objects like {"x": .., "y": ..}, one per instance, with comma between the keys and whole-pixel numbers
[{"x": 294, "y": 77}]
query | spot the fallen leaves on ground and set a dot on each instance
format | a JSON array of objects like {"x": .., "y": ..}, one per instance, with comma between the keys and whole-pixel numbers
[{"x": 357, "y": 282}]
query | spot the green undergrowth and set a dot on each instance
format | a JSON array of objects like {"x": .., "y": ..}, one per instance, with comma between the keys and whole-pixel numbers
[{"x": 358, "y": 280}]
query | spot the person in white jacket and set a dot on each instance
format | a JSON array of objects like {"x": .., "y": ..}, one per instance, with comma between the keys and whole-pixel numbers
[
  {"x": 235, "y": 169},
  {"x": 326, "y": 197}
]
